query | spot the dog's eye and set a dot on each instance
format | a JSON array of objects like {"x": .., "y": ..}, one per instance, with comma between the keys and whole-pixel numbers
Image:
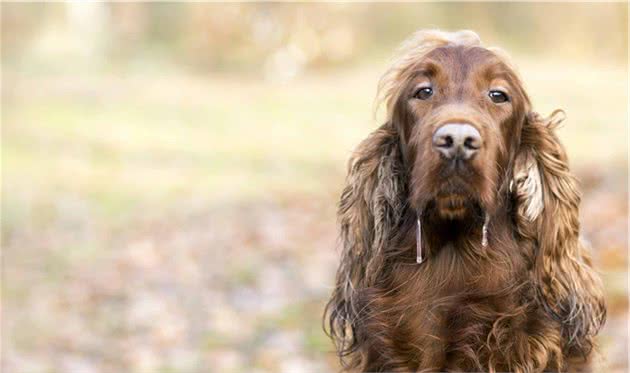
[
  {"x": 498, "y": 97},
  {"x": 423, "y": 93}
]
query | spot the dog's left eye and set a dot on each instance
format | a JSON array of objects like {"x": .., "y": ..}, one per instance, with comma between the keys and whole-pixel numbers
[
  {"x": 498, "y": 96},
  {"x": 423, "y": 93}
]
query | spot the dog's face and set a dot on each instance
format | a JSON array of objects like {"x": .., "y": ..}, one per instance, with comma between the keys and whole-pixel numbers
[{"x": 459, "y": 114}]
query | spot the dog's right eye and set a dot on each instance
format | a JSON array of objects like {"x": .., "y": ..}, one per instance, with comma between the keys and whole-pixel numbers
[
  {"x": 423, "y": 93},
  {"x": 498, "y": 97}
]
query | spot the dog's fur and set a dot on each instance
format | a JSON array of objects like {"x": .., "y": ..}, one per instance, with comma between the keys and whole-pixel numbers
[{"x": 527, "y": 301}]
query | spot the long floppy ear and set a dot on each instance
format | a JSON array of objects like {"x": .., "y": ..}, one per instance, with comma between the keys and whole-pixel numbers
[
  {"x": 371, "y": 206},
  {"x": 547, "y": 214}
]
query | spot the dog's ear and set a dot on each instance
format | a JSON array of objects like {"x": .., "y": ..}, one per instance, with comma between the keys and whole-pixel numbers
[
  {"x": 371, "y": 206},
  {"x": 547, "y": 203}
]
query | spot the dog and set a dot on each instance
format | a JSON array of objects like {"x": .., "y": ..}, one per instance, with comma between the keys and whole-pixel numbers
[{"x": 459, "y": 226}]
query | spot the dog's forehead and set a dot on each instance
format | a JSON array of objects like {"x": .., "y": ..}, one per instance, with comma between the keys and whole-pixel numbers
[{"x": 461, "y": 59}]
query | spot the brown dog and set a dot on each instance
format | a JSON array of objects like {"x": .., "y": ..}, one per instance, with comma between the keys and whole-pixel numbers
[{"x": 459, "y": 225}]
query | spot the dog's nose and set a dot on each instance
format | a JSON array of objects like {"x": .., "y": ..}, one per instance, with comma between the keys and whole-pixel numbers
[{"x": 455, "y": 139}]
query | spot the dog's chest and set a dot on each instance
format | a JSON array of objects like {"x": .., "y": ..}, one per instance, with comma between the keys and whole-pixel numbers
[{"x": 451, "y": 316}]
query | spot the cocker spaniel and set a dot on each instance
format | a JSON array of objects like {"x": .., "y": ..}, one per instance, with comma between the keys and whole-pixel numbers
[{"x": 459, "y": 226}]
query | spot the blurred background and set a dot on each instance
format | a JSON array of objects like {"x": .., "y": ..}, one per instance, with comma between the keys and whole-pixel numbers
[{"x": 170, "y": 172}]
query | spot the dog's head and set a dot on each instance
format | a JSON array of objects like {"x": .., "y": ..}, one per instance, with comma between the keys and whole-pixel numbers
[{"x": 459, "y": 109}]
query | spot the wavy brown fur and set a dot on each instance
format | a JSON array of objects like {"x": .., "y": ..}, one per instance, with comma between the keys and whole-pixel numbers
[{"x": 527, "y": 302}]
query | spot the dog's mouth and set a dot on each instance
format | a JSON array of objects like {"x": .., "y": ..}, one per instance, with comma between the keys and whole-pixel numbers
[
  {"x": 455, "y": 200},
  {"x": 451, "y": 193}
]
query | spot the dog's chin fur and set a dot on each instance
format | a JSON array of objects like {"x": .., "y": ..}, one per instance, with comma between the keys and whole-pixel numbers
[
  {"x": 454, "y": 199},
  {"x": 455, "y": 207},
  {"x": 449, "y": 206}
]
